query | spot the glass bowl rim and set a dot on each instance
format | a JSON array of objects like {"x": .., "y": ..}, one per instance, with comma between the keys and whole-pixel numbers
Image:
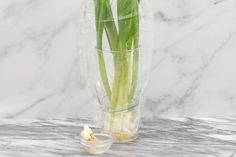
[{"x": 103, "y": 143}]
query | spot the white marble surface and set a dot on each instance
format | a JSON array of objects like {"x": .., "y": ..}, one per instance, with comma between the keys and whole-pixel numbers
[
  {"x": 193, "y": 65},
  {"x": 193, "y": 72},
  {"x": 162, "y": 137}
]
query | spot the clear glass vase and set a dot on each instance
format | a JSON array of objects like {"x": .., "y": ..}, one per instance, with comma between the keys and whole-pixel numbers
[{"x": 118, "y": 61}]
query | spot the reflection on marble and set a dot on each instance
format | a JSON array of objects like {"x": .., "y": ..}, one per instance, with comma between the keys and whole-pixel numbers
[
  {"x": 193, "y": 63},
  {"x": 165, "y": 138}
]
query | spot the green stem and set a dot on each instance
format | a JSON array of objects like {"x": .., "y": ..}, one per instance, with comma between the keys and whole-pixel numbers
[
  {"x": 100, "y": 10},
  {"x": 122, "y": 41},
  {"x": 135, "y": 57}
]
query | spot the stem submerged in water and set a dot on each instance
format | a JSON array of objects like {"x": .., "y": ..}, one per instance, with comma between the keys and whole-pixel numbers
[{"x": 123, "y": 39}]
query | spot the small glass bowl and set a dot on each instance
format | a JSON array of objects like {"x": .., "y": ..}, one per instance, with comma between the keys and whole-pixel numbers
[{"x": 99, "y": 146}]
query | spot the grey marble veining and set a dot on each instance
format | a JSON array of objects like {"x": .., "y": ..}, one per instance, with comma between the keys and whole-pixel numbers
[
  {"x": 160, "y": 137},
  {"x": 41, "y": 69}
]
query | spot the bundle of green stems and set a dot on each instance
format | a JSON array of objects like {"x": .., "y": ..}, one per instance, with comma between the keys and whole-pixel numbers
[{"x": 122, "y": 34}]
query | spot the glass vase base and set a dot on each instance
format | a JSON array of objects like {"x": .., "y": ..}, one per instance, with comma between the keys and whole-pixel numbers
[
  {"x": 123, "y": 137},
  {"x": 122, "y": 125}
]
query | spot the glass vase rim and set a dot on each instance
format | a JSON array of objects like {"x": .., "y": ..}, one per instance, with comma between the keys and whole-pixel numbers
[
  {"x": 114, "y": 51},
  {"x": 120, "y": 18},
  {"x": 130, "y": 108}
]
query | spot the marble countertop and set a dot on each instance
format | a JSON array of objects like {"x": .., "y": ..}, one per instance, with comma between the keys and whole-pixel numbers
[{"x": 161, "y": 137}]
